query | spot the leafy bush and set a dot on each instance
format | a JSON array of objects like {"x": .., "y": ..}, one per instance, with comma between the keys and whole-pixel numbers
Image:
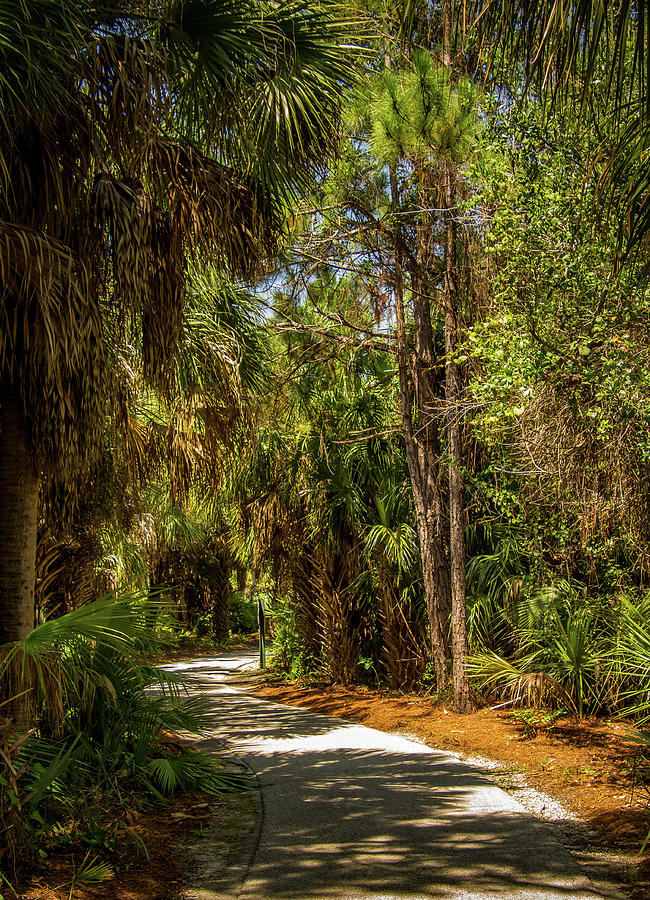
[
  {"x": 106, "y": 725},
  {"x": 288, "y": 654},
  {"x": 243, "y": 614}
]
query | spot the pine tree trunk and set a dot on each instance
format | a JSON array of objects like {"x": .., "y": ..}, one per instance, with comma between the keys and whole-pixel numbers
[
  {"x": 457, "y": 550},
  {"x": 18, "y": 524},
  {"x": 462, "y": 703},
  {"x": 421, "y": 455}
]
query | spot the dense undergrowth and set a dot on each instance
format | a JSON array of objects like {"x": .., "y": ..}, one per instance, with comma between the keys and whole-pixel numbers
[
  {"x": 549, "y": 648},
  {"x": 104, "y": 736}
]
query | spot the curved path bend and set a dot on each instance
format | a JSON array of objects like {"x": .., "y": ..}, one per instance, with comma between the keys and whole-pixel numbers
[{"x": 351, "y": 813}]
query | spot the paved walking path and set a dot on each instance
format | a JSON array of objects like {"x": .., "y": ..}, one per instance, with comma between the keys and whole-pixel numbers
[{"x": 349, "y": 812}]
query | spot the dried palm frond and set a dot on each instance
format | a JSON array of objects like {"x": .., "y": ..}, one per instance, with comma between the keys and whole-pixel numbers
[
  {"x": 136, "y": 445},
  {"x": 216, "y": 211},
  {"x": 128, "y": 92},
  {"x": 124, "y": 212},
  {"x": 517, "y": 684},
  {"x": 46, "y": 164},
  {"x": 33, "y": 263},
  {"x": 162, "y": 303},
  {"x": 65, "y": 574},
  {"x": 51, "y": 344}
]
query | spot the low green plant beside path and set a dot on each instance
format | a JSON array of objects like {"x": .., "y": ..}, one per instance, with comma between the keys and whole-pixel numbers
[{"x": 104, "y": 735}]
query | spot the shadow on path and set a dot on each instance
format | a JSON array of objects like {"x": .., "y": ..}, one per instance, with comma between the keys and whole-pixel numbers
[{"x": 350, "y": 812}]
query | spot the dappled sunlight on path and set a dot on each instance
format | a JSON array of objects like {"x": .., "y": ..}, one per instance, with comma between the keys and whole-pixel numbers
[{"x": 350, "y": 812}]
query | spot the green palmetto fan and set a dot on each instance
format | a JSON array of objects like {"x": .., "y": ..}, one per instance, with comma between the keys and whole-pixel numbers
[
  {"x": 557, "y": 652},
  {"x": 281, "y": 71},
  {"x": 631, "y": 660},
  {"x": 36, "y": 664},
  {"x": 107, "y": 723},
  {"x": 520, "y": 682}
]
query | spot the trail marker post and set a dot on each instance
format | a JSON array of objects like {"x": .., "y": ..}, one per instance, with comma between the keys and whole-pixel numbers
[{"x": 261, "y": 618}]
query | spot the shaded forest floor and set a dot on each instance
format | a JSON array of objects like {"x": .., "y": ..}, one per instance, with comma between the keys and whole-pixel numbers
[
  {"x": 592, "y": 766},
  {"x": 151, "y": 855},
  {"x": 144, "y": 864}
]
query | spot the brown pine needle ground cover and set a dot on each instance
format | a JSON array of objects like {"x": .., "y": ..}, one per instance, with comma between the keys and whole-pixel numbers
[{"x": 591, "y": 766}]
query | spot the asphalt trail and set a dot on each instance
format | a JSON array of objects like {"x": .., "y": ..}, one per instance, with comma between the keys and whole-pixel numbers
[{"x": 351, "y": 813}]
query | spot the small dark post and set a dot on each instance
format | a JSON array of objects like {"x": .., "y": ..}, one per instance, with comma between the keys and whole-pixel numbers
[{"x": 261, "y": 618}]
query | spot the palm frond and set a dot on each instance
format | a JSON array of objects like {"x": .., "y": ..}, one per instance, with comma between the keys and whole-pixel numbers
[
  {"x": 517, "y": 682},
  {"x": 40, "y": 43},
  {"x": 218, "y": 212},
  {"x": 280, "y": 71},
  {"x": 197, "y": 769}
]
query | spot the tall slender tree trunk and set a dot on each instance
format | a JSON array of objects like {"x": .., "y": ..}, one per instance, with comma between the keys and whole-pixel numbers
[
  {"x": 18, "y": 525},
  {"x": 457, "y": 549},
  {"x": 422, "y": 465}
]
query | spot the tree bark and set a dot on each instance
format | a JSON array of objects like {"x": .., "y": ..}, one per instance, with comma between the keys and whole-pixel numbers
[
  {"x": 241, "y": 580},
  {"x": 457, "y": 549},
  {"x": 304, "y": 578},
  {"x": 422, "y": 462},
  {"x": 342, "y": 617},
  {"x": 18, "y": 525},
  {"x": 220, "y": 590}
]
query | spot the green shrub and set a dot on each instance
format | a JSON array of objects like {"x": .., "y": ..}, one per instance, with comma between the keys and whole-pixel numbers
[
  {"x": 243, "y": 614},
  {"x": 106, "y": 726},
  {"x": 288, "y": 654}
]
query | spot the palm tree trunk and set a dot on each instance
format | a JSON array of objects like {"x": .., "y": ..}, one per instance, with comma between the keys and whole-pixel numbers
[
  {"x": 18, "y": 524},
  {"x": 241, "y": 579},
  {"x": 344, "y": 625},
  {"x": 220, "y": 599},
  {"x": 304, "y": 578}
]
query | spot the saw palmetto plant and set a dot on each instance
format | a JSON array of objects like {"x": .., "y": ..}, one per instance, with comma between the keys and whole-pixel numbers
[
  {"x": 553, "y": 646},
  {"x": 105, "y": 721}
]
